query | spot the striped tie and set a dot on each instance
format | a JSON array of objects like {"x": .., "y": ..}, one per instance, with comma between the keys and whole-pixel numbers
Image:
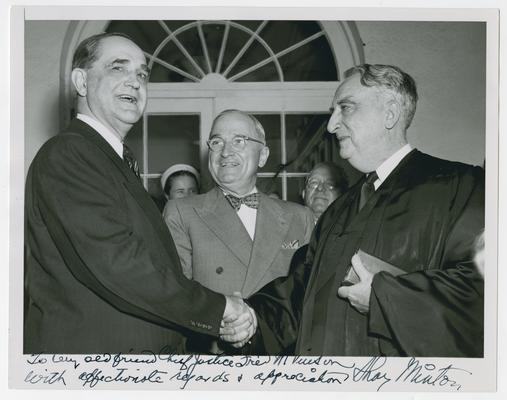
[
  {"x": 130, "y": 160},
  {"x": 367, "y": 189}
]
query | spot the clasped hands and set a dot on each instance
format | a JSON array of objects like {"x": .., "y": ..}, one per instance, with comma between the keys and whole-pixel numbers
[{"x": 239, "y": 322}]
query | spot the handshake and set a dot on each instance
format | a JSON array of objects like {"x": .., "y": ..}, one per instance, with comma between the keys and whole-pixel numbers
[{"x": 239, "y": 322}]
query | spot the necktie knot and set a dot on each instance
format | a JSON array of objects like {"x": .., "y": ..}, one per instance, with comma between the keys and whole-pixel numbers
[
  {"x": 252, "y": 201},
  {"x": 367, "y": 189},
  {"x": 130, "y": 160},
  {"x": 371, "y": 178}
]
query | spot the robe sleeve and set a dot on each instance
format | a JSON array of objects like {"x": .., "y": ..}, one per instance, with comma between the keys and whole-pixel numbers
[
  {"x": 278, "y": 307},
  {"x": 438, "y": 312}
]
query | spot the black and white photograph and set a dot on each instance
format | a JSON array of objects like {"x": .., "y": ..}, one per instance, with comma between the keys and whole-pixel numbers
[{"x": 252, "y": 199}]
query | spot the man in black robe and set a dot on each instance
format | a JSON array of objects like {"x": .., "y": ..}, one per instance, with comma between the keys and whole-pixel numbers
[{"x": 413, "y": 211}]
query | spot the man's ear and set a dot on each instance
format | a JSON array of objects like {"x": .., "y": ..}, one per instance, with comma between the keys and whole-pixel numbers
[
  {"x": 263, "y": 158},
  {"x": 79, "y": 78},
  {"x": 392, "y": 115}
]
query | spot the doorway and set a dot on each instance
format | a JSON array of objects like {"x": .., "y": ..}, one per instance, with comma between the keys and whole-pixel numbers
[{"x": 283, "y": 72}]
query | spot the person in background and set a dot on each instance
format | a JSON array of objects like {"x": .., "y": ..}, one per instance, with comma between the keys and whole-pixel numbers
[
  {"x": 179, "y": 181},
  {"x": 324, "y": 184}
]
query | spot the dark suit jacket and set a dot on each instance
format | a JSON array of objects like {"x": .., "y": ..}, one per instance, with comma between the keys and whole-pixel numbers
[
  {"x": 101, "y": 270},
  {"x": 423, "y": 219}
]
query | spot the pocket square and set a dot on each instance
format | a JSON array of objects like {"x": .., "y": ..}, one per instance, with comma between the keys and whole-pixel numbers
[{"x": 294, "y": 245}]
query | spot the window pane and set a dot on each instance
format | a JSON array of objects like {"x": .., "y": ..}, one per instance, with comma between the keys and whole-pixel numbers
[
  {"x": 255, "y": 53},
  {"x": 303, "y": 133},
  {"x": 266, "y": 73},
  {"x": 282, "y": 34},
  {"x": 235, "y": 42},
  {"x": 294, "y": 189},
  {"x": 213, "y": 35},
  {"x": 250, "y": 24},
  {"x": 271, "y": 186},
  {"x": 172, "y": 139},
  {"x": 271, "y": 125},
  {"x": 312, "y": 62},
  {"x": 192, "y": 43},
  {"x": 155, "y": 191},
  {"x": 146, "y": 34},
  {"x": 172, "y": 55},
  {"x": 173, "y": 25}
]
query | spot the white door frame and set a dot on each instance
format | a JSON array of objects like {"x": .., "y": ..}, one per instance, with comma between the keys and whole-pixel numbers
[{"x": 343, "y": 37}]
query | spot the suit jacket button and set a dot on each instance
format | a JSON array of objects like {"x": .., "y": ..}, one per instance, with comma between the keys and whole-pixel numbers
[{"x": 219, "y": 270}]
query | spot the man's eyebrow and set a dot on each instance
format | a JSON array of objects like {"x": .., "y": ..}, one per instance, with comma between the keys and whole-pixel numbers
[
  {"x": 124, "y": 61},
  {"x": 119, "y": 61},
  {"x": 346, "y": 99}
]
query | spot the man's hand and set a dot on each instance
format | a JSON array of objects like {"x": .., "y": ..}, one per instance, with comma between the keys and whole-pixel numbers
[
  {"x": 358, "y": 294},
  {"x": 239, "y": 322}
]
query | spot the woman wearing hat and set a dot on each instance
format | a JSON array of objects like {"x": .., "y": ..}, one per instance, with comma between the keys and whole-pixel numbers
[{"x": 180, "y": 180}]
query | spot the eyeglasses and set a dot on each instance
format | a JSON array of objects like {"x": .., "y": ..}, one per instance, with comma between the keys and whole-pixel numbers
[
  {"x": 315, "y": 184},
  {"x": 238, "y": 143}
]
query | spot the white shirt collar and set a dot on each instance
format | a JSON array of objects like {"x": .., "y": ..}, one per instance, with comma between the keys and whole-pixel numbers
[
  {"x": 254, "y": 190},
  {"x": 247, "y": 215},
  {"x": 108, "y": 136},
  {"x": 385, "y": 169}
]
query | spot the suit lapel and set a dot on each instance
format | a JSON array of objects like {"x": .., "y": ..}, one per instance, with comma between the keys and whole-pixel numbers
[
  {"x": 221, "y": 218},
  {"x": 271, "y": 229},
  {"x": 132, "y": 184},
  {"x": 92, "y": 135},
  {"x": 363, "y": 226}
]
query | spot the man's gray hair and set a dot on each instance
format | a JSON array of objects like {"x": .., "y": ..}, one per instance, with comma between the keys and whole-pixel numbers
[
  {"x": 392, "y": 79},
  {"x": 258, "y": 126}
]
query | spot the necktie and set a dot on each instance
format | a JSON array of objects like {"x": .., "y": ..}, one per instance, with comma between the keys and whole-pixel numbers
[
  {"x": 252, "y": 201},
  {"x": 367, "y": 189},
  {"x": 130, "y": 160}
]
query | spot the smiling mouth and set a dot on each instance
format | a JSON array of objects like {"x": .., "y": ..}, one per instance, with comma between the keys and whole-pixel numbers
[
  {"x": 127, "y": 98},
  {"x": 228, "y": 164}
]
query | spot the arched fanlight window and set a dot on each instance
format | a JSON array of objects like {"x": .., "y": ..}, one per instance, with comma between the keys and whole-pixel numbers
[
  {"x": 238, "y": 51},
  {"x": 283, "y": 72}
]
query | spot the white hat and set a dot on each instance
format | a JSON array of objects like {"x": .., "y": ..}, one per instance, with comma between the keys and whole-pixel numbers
[{"x": 177, "y": 168}]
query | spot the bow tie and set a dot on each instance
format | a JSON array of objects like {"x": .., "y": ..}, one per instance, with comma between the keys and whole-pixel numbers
[{"x": 252, "y": 201}]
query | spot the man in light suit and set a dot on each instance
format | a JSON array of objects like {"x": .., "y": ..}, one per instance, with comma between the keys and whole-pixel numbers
[
  {"x": 101, "y": 270},
  {"x": 233, "y": 238},
  {"x": 413, "y": 211}
]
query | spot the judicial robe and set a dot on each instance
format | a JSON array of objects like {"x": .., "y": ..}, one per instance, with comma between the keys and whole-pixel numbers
[{"x": 423, "y": 219}]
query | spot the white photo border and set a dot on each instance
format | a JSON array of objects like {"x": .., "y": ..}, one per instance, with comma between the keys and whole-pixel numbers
[{"x": 484, "y": 370}]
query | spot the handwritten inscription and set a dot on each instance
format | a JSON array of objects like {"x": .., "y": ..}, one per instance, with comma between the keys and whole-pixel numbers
[
  {"x": 46, "y": 377},
  {"x": 122, "y": 375},
  {"x": 190, "y": 371},
  {"x": 428, "y": 374}
]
